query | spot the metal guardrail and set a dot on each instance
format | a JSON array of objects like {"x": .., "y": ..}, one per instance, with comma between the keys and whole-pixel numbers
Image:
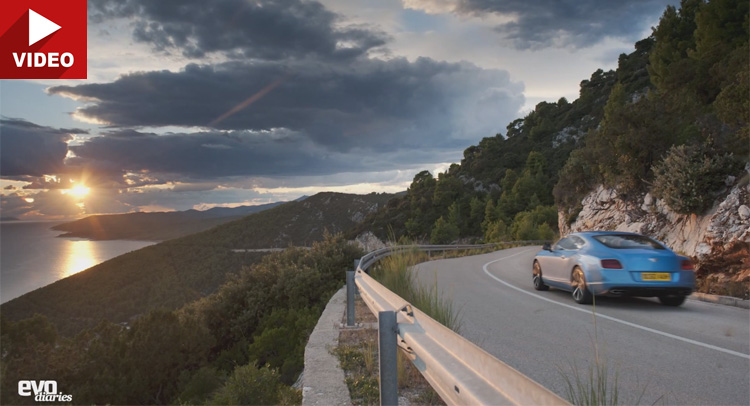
[{"x": 459, "y": 371}]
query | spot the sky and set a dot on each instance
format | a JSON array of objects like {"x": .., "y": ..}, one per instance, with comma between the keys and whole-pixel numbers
[{"x": 193, "y": 104}]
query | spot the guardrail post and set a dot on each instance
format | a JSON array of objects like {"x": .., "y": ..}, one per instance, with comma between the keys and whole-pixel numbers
[
  {"x": 350, "y": 287},
  {"x": 387, "y": 348}
]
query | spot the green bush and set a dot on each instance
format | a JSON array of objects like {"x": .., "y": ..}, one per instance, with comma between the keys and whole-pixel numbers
[
  {"x": 250, "y": 385},
  {"x": 497, "y": 231},
  {"x": 198, "y": 387},
  {"x": 444, "y": 232},
  {"x": 282, "y": 340},
  {"x": 537, "y": 224},
  {"x": 689, "y": 176}
]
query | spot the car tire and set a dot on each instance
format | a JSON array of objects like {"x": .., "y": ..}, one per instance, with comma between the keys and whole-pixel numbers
[
  {"x": 581, "y": 293},
  {"x": 675, "y": 300},
  {"x": 537, "y": 277}
]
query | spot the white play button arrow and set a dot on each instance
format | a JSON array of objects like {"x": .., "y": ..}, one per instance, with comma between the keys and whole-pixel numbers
[{"x": 39, "y": 27}]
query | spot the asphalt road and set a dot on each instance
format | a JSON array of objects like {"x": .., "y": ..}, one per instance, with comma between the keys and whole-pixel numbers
[{"x": 695, "y": 354}]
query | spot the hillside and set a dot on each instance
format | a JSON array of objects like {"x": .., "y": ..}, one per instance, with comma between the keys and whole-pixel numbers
[
  {"x": 298, "y": 223},
  {"x": 672, "y": 121},
  {"x": 243, "y": 344},
  {"x": 156, "y": 226},
  {"x": 175, "y": 272},
  {"x": 506, "y": 175}
]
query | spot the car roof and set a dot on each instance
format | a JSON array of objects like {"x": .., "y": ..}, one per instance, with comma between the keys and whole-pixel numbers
[{"x": 599, "y": 232}]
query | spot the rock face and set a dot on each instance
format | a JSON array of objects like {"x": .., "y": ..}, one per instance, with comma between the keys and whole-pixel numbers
[
  {"x": 718, "y": 241},
  {"x": 369, "y": 242}
]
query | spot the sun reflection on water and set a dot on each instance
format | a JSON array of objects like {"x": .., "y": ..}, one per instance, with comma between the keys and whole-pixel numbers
[{"x": 79, "y": 255}]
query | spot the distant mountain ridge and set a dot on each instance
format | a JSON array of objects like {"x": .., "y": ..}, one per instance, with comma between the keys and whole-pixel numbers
[
  {"x": 298, "y": 223},
  {"x": 155, "y": 226}
]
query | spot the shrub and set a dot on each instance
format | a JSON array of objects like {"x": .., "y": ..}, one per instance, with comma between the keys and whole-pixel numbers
[
  {"x": 282, "y": 340},
  {"x": 578, "y": 177},
  {"x": 537, "y": 224},
  {"x": 689, "y": 176},
  {"x": 444, "y": 232},
  {"x": 497, "y": 231},
  {"x": 250, "y": 385},
  {"x": 199, "y": 386}
]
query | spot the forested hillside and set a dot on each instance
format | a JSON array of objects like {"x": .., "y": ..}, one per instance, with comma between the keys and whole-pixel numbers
[
  {"x": 243, "y": 344},
  {"x": 671, "y": 119},
  {"x": 175, "y": 272}
]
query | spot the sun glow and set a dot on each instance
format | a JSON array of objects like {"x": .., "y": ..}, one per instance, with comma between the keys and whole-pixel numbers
[{"x": 78, "y": 191}]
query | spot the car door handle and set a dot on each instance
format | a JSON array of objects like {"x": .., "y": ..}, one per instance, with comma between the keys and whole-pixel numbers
[{"x": 563, "y": 256}]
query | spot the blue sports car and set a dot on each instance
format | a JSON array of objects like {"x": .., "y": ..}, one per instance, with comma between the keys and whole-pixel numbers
[{"x": 616, "y": 264}]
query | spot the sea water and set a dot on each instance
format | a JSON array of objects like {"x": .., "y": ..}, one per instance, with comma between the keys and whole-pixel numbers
[{"x": 32, "y": 256}]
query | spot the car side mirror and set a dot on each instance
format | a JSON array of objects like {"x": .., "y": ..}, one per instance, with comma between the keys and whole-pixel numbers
[{"x": 546, "y": 247}]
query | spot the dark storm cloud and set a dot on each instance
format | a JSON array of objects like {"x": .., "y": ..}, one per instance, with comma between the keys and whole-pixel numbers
[
  {"x": 158, "y": 159},
  {"x": 574, "y": 23},
  {"x": 28, "y": 149},
  {"x": 205, "y": 155},
  {"x": 268, "y": 30},
  {"x": 370, "y": 104}
]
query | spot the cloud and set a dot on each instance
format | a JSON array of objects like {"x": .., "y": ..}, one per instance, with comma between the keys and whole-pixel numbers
[
  {"x": 267, "y": 30},
  {"x": 370, "y": 104},
  {"x": 46, "y": 204},
  {"x": 150, "y": 159},
  {"x": 296, "y": 94},
  {"x": 550, "y": 23},
  {"x": 206, "y": 155},
  {"x": 28, "y": 149}
]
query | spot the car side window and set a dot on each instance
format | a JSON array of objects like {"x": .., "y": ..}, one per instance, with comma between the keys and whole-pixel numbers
[
  {"x": 572, "y": 243},
  {"x": 578, "y": 242},
  {"x": 564, "y": 244}
]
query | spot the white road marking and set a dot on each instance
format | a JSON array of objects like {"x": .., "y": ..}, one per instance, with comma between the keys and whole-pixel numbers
[{"x": 603, "y": 316}]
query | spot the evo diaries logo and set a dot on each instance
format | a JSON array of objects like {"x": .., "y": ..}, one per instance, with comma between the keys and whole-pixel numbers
[
  {"x": 43, "y": 39},
  {"x": 42, "y": 391}
]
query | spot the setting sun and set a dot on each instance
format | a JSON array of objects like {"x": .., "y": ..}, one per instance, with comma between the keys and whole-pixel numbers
[{"x": 79, "y": 191}]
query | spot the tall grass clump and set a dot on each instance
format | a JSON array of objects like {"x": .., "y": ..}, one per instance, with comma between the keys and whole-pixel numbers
[
  {"x": 592, "y": 387},
  {"x": 595, "y": 386},
  {"x": 396, "y": 273}
]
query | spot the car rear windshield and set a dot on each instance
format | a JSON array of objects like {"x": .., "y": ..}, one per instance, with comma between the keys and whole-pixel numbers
[{"x": 620, "y": 241}]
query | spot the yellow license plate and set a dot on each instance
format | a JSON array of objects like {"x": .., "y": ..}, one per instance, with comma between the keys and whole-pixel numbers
[{"x": 656, "y": 276}]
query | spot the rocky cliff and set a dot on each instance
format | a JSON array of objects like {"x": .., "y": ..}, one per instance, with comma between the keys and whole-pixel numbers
[{"x": 718, "y": 241}]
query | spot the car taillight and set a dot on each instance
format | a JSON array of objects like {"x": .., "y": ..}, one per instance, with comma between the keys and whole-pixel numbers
[
  {"x": 611, "y": 264},
  {"x": 687, "y": 265}
]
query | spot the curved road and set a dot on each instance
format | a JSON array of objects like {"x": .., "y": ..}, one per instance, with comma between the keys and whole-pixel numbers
[{"x": 695, "y": 354}]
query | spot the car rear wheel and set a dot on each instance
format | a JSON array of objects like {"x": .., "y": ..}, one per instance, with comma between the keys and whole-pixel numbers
[
  {"x": 581, "y": 293},
  {"x": 675, "y": 300},
  {"x": 537, "y": 277}
]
